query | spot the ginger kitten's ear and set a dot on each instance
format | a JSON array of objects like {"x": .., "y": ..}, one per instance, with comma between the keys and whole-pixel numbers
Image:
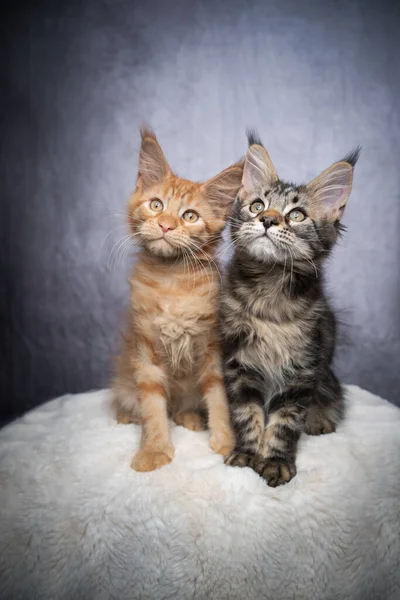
[
  {"x": 258, "y": 169},
  {"x": 222, "y": 189},
  {"x": 153, "y": 167},
  {"x": 330, "y": 191}
]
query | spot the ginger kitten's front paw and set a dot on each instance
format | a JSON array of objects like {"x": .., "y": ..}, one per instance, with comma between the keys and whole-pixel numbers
[
  {"x": 191, "y": 419},
  {"x": 275, "y": 472},
  {"x": 222, "y": 442},
  {"x": 150, "y": 460},
  {"x": 124, "y": 417}
]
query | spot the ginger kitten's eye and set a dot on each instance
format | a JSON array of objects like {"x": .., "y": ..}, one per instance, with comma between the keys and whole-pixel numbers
[
  {"x": 190, "y": 216},
  {"x": 257, "y": 206},
  {"x": 156, "y": 205},
  {"x": 296, "y": 215}
]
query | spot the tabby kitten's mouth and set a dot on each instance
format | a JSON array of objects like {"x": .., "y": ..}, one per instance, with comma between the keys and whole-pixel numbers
[{"x": 270, "y": 238}]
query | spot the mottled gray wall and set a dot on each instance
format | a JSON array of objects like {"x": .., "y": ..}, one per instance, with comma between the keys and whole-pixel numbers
[{"x": 315, "y": 77}]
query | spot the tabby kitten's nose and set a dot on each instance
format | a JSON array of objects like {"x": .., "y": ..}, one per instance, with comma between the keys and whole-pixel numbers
[
  {"x": 165, "y": 227},
  {"x": 267, "y": 221}
]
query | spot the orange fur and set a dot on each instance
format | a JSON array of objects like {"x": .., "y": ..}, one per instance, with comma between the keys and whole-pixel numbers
[{"x": 170, "y": 365}]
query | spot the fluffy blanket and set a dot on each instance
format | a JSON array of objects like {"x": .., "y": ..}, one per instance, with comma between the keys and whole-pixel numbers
[{"x": 76, "y": 522}]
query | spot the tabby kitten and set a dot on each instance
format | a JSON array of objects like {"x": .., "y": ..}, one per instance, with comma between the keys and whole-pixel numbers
[
  {"x": 278, "y": 328},
  {"x": 171, "y": 362}
]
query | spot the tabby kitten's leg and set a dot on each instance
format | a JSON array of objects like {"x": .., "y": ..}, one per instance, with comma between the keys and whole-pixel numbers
[
  {"x": 156, "y": 449},
  {"x": 247, "y": 412},
  {"x": 276, "y": 462},
  {"x": 222, "y": 438},
  {"x": 327, "y": 410}
]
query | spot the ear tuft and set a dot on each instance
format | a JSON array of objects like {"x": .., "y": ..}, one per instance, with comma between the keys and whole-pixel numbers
[
  {"x": 222, "y": 189},
  {"x": 330, "y": 191},
  {"x": 258, "y": 169},
  {"x": 153, "y": 167},
  {"x": 147, "y": 132},
  {"x": 352, "y": 157},
  {"x": 253, "y": 137}
]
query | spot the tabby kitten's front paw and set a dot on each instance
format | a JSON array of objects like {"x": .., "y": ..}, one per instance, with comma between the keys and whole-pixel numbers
[
  {"x": 239, "y": 459},
  {"x": 275, "y": 472},
  {"x": 317, "y": 424},
  {"x": 149, "y": 460}
]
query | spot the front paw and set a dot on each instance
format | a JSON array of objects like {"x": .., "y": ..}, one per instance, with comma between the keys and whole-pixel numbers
[
  {"x": 319, "y": 425},
  {"x": 191, "y": 420},
  {"x": 150, "y": 460},
  {"x": 239, "y": 459},
  {"x": 126, "y": 419},
  {"x": 222, "y": 442},
  {"x": 275, "y": 472}
]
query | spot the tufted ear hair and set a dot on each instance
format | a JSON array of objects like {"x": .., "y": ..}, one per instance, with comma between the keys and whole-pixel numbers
[
  {"x": 153, "y": 167},
  {"x": 330, "y": 191},
  {"x": 258, "y": 169},
  {"x": 222, "y": 189}
]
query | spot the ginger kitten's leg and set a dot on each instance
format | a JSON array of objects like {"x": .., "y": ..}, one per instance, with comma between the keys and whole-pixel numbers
[
  {"x": 125, "y": 402},
  {"x": 185, "y": 403},
  {"x": 125, "y": 405},
  {"x": 156, "y": 449},
  {"x": 222, "y": 438}
]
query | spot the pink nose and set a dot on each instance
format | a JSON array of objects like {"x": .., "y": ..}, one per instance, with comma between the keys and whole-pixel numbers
[{"x": 165, "y": 227}]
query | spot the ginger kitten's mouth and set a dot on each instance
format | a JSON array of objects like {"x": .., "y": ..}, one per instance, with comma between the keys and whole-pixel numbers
[
  {"x": 159, "y": 239},
  {"x": 161, "y": 245}
]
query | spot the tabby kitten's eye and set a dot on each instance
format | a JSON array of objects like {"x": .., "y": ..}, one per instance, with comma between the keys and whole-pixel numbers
[
  {"x": 190, "y": 216},
  {"x": 257, "y": 206},
  {"x": 156, "y": 205},
  {"x": 296, "y": 215}
]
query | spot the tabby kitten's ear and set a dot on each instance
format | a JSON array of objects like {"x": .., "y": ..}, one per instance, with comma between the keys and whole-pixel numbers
[
  {"x": 153, "y": 167},
  {"x": 330, "y": 191},
  {"x": 222, "y": 189},
  {"x": 258, "y": 169}
]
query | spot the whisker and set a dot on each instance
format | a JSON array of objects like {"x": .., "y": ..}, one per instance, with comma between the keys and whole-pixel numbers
[
  {"x": 109, "y": 234},
  {"x": 115, "y": 249}
]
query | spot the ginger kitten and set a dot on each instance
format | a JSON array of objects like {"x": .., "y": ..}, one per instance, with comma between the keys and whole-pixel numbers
[
  {"x": 278, "y": 329},
  {"x": 171, "y": 364}
]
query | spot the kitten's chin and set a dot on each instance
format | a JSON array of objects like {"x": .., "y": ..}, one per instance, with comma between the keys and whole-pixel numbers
[
  {"x": 262, "y": 249},
  {"x": 160, "y": 247},
  {"x": 267, "y": 251}
]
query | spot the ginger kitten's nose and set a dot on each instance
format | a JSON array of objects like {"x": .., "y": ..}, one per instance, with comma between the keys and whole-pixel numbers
[{"x": 165, "y": 227}]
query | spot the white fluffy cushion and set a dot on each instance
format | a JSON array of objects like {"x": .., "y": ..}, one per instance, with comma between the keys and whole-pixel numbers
[{"x": 77, "y": 522}]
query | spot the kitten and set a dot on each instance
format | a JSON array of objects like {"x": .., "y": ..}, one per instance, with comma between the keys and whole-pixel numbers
[
  {"x": 171, "y": 362},
  {"x": 277, "y": 326}
]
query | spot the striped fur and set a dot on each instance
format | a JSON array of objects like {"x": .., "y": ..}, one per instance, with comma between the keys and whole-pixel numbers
[
  {"x": 277, "y": 327},
  {"x": 171, "y": 362}
]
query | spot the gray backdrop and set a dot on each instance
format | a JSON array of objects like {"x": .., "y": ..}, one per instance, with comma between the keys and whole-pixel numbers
[{"x": 315, "y": 77}]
